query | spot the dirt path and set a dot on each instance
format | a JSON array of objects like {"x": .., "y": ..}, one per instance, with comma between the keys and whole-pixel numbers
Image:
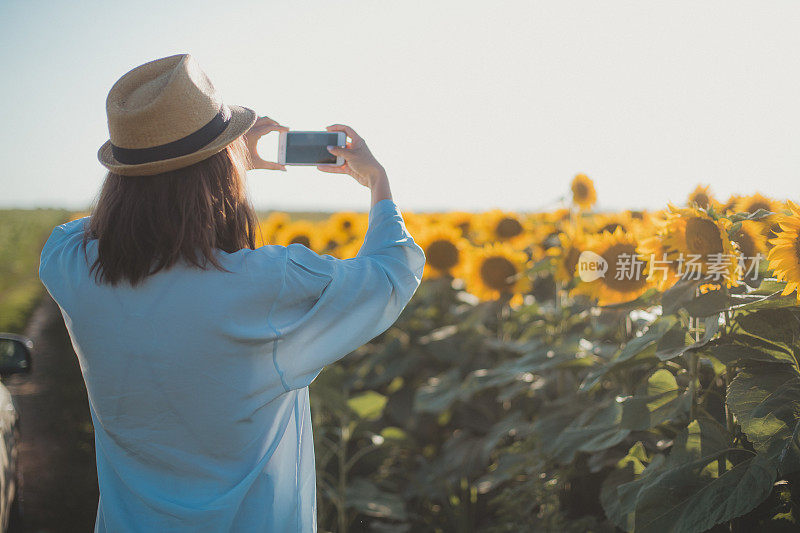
[{"x": 57, "y": 450}]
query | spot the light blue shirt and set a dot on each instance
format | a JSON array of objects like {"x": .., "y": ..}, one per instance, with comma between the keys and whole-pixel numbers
[{"x": 198, "y": 380}]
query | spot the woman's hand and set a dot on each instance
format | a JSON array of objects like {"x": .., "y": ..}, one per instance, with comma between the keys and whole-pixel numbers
[
  {"x": 262, "y": 126},
  {"x": 358, "y": 160}
]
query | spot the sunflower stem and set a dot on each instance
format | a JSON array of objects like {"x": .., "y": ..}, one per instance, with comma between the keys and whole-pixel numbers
[
  {"x": 729, "y": 421},
  {"x": 342, "y": 485},
  {"x": 693, "y": 360}
]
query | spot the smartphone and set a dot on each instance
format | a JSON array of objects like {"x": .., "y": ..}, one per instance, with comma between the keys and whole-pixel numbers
[{"x": 310, "y": 147}]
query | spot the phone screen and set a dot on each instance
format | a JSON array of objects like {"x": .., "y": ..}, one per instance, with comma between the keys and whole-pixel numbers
[{"x": 310, "y": 147}]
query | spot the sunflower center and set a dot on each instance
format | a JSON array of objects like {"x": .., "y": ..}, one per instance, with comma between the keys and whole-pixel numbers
[
  {"x": 580, "y": 191},
  {"x": 508, "y": 227},
  {"x": 773, "y": 230},
  {"x": 302, "y": 239},
  {"x": 755, "y": 206},
  {"x": 571, "y": 260},
  {"x": 442, "y": 255},
  {"x": 347, "y": 224},
  {"x": 747, "y": 249},
  {"x": 495, "y": 272},
  {"x": 625, "y": 269},
  {"x": 702, "y": 237},
  {"x": 611, "y": 227},
  {"x": 701, "y": 199},
  {"x": 747, "y": 246}
]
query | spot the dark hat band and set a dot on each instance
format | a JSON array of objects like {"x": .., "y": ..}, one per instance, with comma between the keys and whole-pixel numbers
[{"x": 183, "y": 146}]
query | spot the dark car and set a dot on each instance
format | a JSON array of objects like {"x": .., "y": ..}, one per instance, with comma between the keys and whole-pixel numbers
[{"x": 15, "y": 357}]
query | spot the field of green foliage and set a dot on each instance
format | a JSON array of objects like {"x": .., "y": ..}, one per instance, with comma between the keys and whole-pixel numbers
[
  {"x": 677, "y": 412},
  {"x": 22, "y": 234}
]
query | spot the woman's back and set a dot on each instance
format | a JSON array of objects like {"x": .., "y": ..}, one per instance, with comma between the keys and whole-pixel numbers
[{"x": 197, "y": 379}]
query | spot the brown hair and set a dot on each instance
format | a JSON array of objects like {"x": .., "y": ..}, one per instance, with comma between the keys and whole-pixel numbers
[{"x": 147, "y": 223}]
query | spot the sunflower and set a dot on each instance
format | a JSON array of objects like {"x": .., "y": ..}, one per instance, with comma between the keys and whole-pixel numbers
[
  {"x": 752, "y": 246},
  {"x": 462, "y": 220},
  {"x": 496, "y": 270},
  {"x": 770, "y": 226},
  {"x": 637, "y": 214},
  {"x": 303, "y": 232},
  {"x": 583, "y": 193},
  {"x": 609, "y": 222},
  {"x": 268, "y": 227},
  {"x": 571, "y": 244},
  {"x": 330, "y": 239},
  {"x": 347, "y": 225},
  {"x": 784, "y": 256},
  {"x": 626, "y": 276},
  {"x": 752, "y": 203},
  {"x": 347, "y": 250},
  {"x": 662, "y": 265},
  {"x": 503, "y": 226},
  {"x": 444, "y": 250},
  {"x": 730, "y": 205},
  {"x": 547, "y": 236},
  {"x": 415, "y": 222},
  {"x": 702, "y": 197},
  {"x": 702, "y": 245},
  {"x": 551, "y": 217}
]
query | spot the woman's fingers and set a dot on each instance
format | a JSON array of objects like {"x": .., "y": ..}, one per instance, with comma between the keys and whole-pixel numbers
[
  {"x": 342, "y": 169},
  {"x": 259, "y": 163},
  {"x": 265, "y": 125},
  {"x": 347, "y": 129},
  {"x": 262, "y": 126},
  {"x": 269, "y": 165},
  {"x": 266, "y": 128},
  {"x": 340, "y": 151},
  {"x": 265, "y": 120}
]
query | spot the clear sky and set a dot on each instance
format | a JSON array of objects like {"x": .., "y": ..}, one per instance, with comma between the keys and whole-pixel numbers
[{"x": 468, "y": 105}]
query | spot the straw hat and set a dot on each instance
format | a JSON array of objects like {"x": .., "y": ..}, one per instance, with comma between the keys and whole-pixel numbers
[{"x": 165, "y": 115}]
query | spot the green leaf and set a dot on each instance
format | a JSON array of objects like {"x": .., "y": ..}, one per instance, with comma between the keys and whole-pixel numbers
[
  {"x": 594, "y": 429},
  {"x": 661, "y": 400},
  {"x": 658, "y": 329},
  {"x": 618, "y": 509},
  {"x": 439, "y": 393},
  {"x": 694, "y": 497},
  {"x": 745, "y": 215},
  {"x": 662, "y": 333},
  {"x": 393, "y": 433},
  {"x": 746, "y": 350},
  {"x": 368, "y": 405},
  {"x": 710, "y": 328},
  {"x": 620, "y": 489},
  {"x": 767, "y": 296},
  {"x": 677, "y": 296},
  {"x": 508, "y": 465},
  {"x": 366, "y": 498},
  {"x": 766, "y": 401},
  {"x": 688, "y": 492},
  {"x": 710, "y": 303},
  {"x": 773, "y": 325}
]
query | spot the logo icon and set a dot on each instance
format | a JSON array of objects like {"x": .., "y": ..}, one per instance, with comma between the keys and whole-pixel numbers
[{"x": 591, "y": 266}]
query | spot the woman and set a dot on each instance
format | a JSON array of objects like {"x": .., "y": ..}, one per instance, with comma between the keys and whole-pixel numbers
[{"x": 197, "y": 348}]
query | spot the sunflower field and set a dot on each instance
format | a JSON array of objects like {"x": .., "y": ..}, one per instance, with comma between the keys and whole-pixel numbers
[{"x": 571, "y": 370}]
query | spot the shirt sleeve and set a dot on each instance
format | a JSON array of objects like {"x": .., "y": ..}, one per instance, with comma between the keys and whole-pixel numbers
[
  {"x": 333, "y": 306},
  {"x": 59, "y": 255}
]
